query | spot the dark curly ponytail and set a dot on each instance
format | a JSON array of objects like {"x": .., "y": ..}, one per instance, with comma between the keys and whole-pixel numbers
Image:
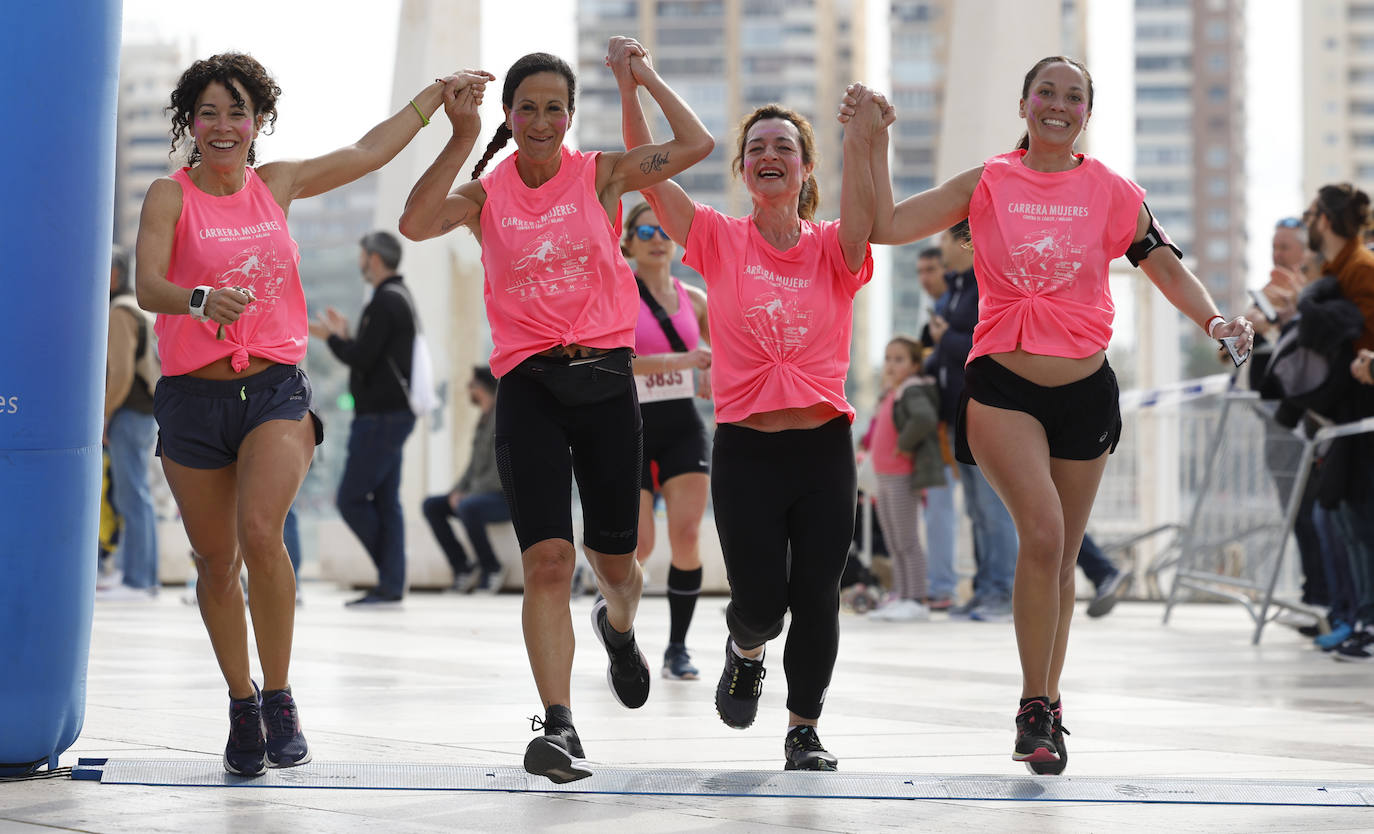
[
  {"x": 226, "y": 68},
  {"x": 531, "y": 64}
]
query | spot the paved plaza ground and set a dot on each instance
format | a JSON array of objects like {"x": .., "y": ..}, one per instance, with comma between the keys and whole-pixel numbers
[{"x": 444, "y": 679}]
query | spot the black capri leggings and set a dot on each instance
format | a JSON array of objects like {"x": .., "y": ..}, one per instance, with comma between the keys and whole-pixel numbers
[{"x": 772, "y": 491}]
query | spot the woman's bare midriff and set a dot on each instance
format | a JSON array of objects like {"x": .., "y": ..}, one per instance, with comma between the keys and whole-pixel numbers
[
  {"x": 1048, "y": 371},
  {"x": 221, "y": 369},
  {"x": 786, "y": 419}
]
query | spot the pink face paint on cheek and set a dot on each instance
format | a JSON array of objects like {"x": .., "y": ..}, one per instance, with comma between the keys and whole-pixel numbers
[{"x": 560, "y": 124}]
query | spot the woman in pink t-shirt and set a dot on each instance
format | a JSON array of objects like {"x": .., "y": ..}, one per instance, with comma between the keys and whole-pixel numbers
[
  {"x": 1040, "y": 413},
  {"x": 780, "y": 290},
  {"x": 562, "y": 305},
  {"x": 216, "y": 262}
]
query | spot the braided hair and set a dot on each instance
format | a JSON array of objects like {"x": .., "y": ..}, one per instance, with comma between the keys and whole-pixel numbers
[{"x": 532, "y": 64}]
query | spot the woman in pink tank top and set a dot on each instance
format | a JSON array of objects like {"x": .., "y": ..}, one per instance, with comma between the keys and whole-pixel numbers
[
  {"x": 1039, "y": 410},
  {"x": 670, "y": 372},
  {"x": 216, "y": 262},
  {"x": 780, "y": 297},
  {"x": 561, "y": 302}
]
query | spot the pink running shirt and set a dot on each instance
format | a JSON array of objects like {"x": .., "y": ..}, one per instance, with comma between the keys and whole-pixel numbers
[
  {"x": 1041, "y": 246},
  {"x": 554, "y": 271},
  {"x": 238, "y": 240},
  {"x": 887, "y": 460},
  {"x": 780, "y": 321},
  {"x": 649, "y": 336}
]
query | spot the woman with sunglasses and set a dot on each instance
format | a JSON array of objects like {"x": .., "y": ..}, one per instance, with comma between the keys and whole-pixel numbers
[
  {"x": 562, "y": 306},
  {"x": 781, "y": 292},
  {"x": 670, "y": 343}
]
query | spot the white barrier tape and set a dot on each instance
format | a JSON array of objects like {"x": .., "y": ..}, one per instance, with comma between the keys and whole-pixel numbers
[{"x": 1175, "y": 393}]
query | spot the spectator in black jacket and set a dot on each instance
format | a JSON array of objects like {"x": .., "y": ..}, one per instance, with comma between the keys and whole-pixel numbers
[{"x": 378, "y": 358}]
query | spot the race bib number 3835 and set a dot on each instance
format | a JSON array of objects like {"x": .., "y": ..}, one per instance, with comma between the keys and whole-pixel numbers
[{"x": 674, "y": 385}]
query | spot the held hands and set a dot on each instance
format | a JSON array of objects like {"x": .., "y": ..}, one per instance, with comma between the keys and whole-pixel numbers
[
  {"x": 463, "y": 92},
  {"x": 880, "y": 113},
  {"x": 629, "y": 61}
]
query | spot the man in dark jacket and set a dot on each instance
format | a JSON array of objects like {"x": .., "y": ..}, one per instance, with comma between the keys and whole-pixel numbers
[
  {"x": 476, "y": 500},
  {"x": 994, "y": 535},
  {"x": 378, "y": 358}
]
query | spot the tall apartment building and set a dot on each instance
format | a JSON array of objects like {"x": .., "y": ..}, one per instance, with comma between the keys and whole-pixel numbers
[
  {"x": 147, "y": 74},
  {"x": 1190, "y": 133},
  {"x": 940, "y": 54},
  {"x": 1337, "y": 93}
]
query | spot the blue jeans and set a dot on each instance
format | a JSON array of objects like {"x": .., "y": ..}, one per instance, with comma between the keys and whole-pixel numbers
[
  {"x": 475, "y": 512},
  {"x": 1096, "y": 566},
  {"x": 994, "y": 536},
  {"x": 941, "y": 537},
  {"x": 1355, "y": 520},
  {"x": 1340, "y": 581},
  {"x": 370, "y": 493},
  {"x": 131, "y": 439}
]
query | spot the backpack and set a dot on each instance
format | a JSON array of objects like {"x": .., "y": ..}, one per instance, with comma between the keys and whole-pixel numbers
[
  {"x": 147, "y": 364},
  {"x": 420, "y": 388}
]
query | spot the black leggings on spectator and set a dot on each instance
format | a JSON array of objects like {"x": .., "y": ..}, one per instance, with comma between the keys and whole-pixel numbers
[{"x": 784, "y": 504}]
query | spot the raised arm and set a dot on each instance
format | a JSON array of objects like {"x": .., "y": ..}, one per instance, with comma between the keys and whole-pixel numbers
[
  {"x": 857, "y": 195},
  {"x": 672, "y": 205},
  {"x": 295, "y": 179},
  {"x": 647, "y": 165},
  {"x": 434, "y": 207},
  {"x": 1186, "y": 292},
  {"x": 931, "y": 211}
]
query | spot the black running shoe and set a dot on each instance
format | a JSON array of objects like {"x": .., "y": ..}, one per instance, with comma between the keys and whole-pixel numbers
[
  {"x": 805, "y": 752},
  {"x": 246, "y": 752},
  {"x": 1057, "y": 733},
  {"x": 1034, "y": 734},
  {"x": 286, "y": 744},
  {"x": 1357, "y": 648},
  {"x": 628, "y": 669},
  {"x": 557, "y": 754},
  {"x": 737, "y": 693}
]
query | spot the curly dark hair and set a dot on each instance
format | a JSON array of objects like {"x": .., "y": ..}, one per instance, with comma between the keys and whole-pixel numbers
[
  {"x": 810, "y": 196},
  {"x": 226, "y": 68}
]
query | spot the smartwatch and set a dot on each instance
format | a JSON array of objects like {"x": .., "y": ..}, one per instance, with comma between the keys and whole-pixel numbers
[{"x": 199, "y": 296}]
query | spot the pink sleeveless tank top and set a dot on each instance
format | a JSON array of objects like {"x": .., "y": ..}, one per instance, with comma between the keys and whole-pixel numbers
[
  {"x": 238, "y": 240},
  {"x": 649, "y": 336},
  {"x": 554, "y": 271}
]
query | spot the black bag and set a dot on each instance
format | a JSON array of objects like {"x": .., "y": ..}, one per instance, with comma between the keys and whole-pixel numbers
[{"x": 586, "y": 381}]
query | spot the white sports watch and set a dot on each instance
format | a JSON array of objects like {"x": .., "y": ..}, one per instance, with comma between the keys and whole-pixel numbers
[{"x": 199, "y": 296}]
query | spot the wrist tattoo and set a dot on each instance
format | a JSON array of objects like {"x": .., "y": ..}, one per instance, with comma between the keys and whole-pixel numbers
[{"x": 654, "y": 163}]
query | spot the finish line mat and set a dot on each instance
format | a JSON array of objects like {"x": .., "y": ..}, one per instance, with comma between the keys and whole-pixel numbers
[{"x": 760, "y": 783}]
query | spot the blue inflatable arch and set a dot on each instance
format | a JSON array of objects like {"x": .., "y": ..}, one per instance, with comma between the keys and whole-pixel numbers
[{"x": 58, "y": 78}]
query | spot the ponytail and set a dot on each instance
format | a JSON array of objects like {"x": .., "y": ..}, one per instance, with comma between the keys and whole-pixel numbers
[
  {"x": 1024, "y": 143},
  {"x": 498, "y": 141},
  {"x": 809, "y": 198}
]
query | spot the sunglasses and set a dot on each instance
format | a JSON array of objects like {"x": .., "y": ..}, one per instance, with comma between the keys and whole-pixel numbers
[
  {"x": 1289, "y": 223},
  {"x": 648, "y": 232}
]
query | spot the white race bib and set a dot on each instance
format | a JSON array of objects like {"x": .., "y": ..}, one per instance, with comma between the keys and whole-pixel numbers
[{"x": 674, "y": 385}]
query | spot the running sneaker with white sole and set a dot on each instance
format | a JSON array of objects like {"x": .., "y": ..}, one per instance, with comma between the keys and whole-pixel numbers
[
  {"x": 1035, "y": 733},
  {"x": 286, "y": 744},
  {"x": 677, "y": 664},
  {"x": 557, "y": 754},
  {"x": 804, "y": 751},
  {"x": 627, "y": 669},
  {"x": 246, "y": 752},
  {"x": 1358, "y": 648},
  {"x": 739, "y": 688}
]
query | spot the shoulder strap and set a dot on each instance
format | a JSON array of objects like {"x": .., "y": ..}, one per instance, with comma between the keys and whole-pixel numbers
[{"x": 662, "y": 315}]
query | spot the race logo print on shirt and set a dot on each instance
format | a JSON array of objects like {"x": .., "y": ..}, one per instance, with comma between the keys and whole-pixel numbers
[
  {"x": 551, "y": 264},
  {"x": 1047, "y": 258},
  {"x": 774, "y": 317}
]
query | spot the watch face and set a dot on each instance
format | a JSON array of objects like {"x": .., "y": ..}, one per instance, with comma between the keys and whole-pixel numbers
[{"x": 197, "y": 297}]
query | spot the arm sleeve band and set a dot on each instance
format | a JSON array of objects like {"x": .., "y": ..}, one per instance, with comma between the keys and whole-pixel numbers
[{"x": 1154, "y": 238}]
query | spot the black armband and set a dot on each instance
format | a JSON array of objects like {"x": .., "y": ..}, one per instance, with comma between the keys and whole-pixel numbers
[{"x": 1154, "y": 238}]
